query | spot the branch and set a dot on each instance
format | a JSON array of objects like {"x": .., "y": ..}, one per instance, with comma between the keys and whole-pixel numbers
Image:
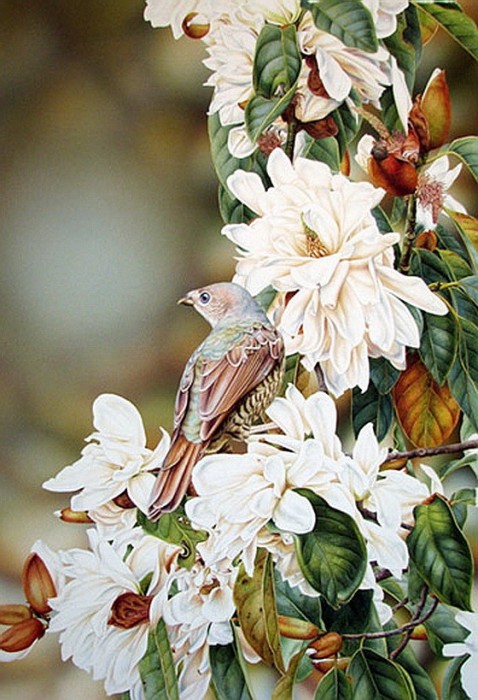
[
  {"x": 430, "y": 451},
  {"x": 291, "y": 134},
  {"x": 399, "y": 630},
  {"x": 410, "y": 236},
  {"x": 416, "y": 616}
]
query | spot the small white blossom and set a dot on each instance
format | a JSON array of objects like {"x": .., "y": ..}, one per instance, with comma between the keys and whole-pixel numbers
[
  {"x": 434, "y": 181},
  {"x": 468, "y": 620},
  {"x": 95, "y": 579},
  {"x": 116, "y": 460},
  {"x": 316, "y": 242}
]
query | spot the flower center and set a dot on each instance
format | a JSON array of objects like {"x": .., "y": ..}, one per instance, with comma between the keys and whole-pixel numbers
[
  {"x": 430, "y": 194},
  {"x": 130, "y": 609},
  {"x": 314, "y": 246},
  {"x": 208, "y": 587}
]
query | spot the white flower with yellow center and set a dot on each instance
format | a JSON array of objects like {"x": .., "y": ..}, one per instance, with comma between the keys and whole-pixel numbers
[
  {"x": 316, "y": 242},
  {"x": 116, "y": 464}
]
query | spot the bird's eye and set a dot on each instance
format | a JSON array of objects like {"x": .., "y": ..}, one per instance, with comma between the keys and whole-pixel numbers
[{"x": 204, "y": 298}]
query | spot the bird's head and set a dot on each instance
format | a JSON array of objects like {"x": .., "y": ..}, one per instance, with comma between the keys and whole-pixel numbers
[{"x": 223, "y": 301}]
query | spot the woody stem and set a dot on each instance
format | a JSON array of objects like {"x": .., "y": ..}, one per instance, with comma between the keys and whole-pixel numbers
[
  {"x": 431, "y": 451},
  {"x": 409, "y": 236}
]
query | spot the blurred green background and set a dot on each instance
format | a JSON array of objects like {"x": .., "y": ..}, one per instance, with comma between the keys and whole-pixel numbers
[{"x": 108, "y": 215}]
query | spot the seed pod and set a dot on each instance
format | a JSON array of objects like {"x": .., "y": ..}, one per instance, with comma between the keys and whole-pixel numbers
[
  {"x": 22, "y": 635},
  {"x": 37, "y": 584}
]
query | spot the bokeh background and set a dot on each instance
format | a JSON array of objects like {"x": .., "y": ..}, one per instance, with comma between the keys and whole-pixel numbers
[{"x": 108, "y": 214}]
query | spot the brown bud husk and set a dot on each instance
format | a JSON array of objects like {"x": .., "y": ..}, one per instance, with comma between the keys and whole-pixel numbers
[
  {"x": 436, "y": 106},
  {"x": 427, "y": 240},
  {"x": 14, "y": 613},
  {"x": 345, "y": 164},
  {"x": 74, "y": 516},
  {"x": 397, "y": 177},
  {"x": 37, "y": 584},
  {"x": 419, "y": 122},
  {"x": 327, "y": 645},
  {"x": 22, "y": 635},
  {"x": 124, "y": 501},
  {"x": 420, "y": 633},
  {"x": 194, "y": 30},
  {"x": 293, "y": 628},
  {"x": 130, "y": 609}
]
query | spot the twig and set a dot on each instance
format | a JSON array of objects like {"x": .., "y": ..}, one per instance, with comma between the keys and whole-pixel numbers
[
  {"x": 410, "y": 236},
  {"x": 431, "y": 451},
  {"x": 416, "y": 616},
  {"x": 291, "y": 134},
  {"x": 399, "y": 630}
]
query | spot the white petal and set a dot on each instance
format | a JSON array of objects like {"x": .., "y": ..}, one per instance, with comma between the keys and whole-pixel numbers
[
  {"x": 294, "y": 513},
  {"x": 116, "y": 417}
]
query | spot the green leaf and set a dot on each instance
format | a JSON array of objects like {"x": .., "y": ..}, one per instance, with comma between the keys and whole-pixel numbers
[
  {"x": 175, "y": 528},
  {"x": 357, "y": 616},
  {"x": 469, "y": 286},
  {"x": 227, "y": 676},
  {"x": 348, "y": 20},
  {"x": 451, "y": 17},
  {"x": 389, "y": 111},
  {"x": 291, "y": 602},
  {"x": 441, "y": 553},
  {"x": 156, "y": 668},
  {"x": 383, "y": 374},
  {"x": 452, "y": 688},
  {"x": 439, "y": 345},
  {"x": 456, "y": 266},
  {"x": 334, "y": 686},
  {"x": 233, "y": 211},
  {"x": 292, "y": 363},
  {"x": 429, "y": 267},
  {"x": 463, "y": 377},
  {"x": 254, "y": 597},
  {"x": 277, "y": 61},
  {"x": 442, "y": 628},
  {"x": 374, "y": 676},
  {"x": 382, "y": 220},
  {"x": 348, "y": 125},
  {"x": 371, "y": 406},
  {"x": 405, "y": 44},
  {"x": 266, "y": 297},
  {"x": 284, "y": 687},
  {"x": 424, "y": 688},
  {"x": 224, "y": 163},
  {"x": 262, "y": 111},
  {"x": 324, "y": 150},
  {"x": 466, "y": 149},
  {"x": 333, "y": 557}
]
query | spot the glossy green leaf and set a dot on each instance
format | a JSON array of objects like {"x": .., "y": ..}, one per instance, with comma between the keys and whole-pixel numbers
[
  {"x": 266, "y": 297},
  {"x": 382, "y": 220},
  {"x": 356, "y": 616},
  {"x": 233, "y": 211},
  {"x": 451, "y": 17},
  {"x": 469, "y": 286},
  {"x": 254, "y": 597},
  {"x": 374, "y": 676},
  {"x": 456, "y": 266},
  {"x": 284, "y": 688},
  {"x": 348, "y": 125},
  {"x": 383, "y": 374},
  {"x": 442, "y": 628},
  {"x": 291, "y": 602},
  {"x": 452, "y": 688},
  {"x": 224, "y": 163},
  {"x": 441, "y": 553},
  {"x": 422, "y": 683},
  {"x": 324, "y": 150},
  {"x": 227, "y": 676},
  {"x": 334, "y": 686},
  {"x": 463, "y": 377},
  {"x": 156, "y": 668},
  {"x": 277, "y": 61},
  {"x": 405, "y": 44},
  {"x": 291, "y": 369},
  {"x": 372, "y": 407},
  {"x": 389, "y": 110},
  {"x": 429, "y": 267},
  {"x": 175, "y": 528},
  {"x": 348, "y": 20},
  {"x": 439, "y": 345},
  {"x": 320, "y": 553},
  {"x": 262, "y": 111},
  {"x": 466, "y": 149}
]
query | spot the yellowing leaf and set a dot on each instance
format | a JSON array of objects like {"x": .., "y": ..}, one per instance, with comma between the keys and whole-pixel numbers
[
  {"x": 467, "y": 224},
  {"x": 427, "y": 412},
  {"x": 436, "y": 106}
]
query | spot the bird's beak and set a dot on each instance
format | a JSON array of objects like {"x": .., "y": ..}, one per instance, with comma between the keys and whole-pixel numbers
[{"x": 186, "y": 300}]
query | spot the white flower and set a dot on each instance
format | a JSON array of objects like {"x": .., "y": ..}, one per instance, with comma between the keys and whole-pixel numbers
[
  {"x": 164, "y": 13},
  {"x": 468, "y": 620},
  {"x": 116, "y": 460},
  {"x": 197, "y": 616},
  {"x": 316, "y": 242},
  {"x": 433, "y": 183},
  {"x": 99, "y": 638},
  {"x": 384, "y": 14}
]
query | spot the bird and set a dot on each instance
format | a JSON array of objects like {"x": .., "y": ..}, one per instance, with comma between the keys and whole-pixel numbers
[{"x": 227, "y": 383}]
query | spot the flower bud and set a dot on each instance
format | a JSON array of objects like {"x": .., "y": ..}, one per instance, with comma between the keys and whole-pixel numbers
[
  {"x": 427, "y": 240},
  {"x": 13, "y": 614},
  {"x": 293, "y": 628},
  {"x": 327, "y": 645},
  {"x": 73, "y": 516},
  {"x": 396, "y": 176},
  {"x": 22, "y": 635},
  {"x": 436, "y": 106},
  {"x": 37, "y": 584},
  {"x": 192, "y": 29}
]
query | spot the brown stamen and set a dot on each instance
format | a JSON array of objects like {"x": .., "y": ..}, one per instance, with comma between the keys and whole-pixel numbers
[{"x": 130, "y": 609}]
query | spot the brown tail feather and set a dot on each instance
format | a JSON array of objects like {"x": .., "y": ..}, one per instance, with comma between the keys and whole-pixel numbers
[{"x": 174, "y": 477}]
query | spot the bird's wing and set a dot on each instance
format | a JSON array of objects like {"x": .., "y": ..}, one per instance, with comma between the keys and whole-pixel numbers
[{"x": 224, "y": 382}]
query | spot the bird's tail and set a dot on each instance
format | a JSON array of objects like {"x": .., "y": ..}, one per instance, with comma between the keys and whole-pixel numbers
[{"x": 174, "y": 476}]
